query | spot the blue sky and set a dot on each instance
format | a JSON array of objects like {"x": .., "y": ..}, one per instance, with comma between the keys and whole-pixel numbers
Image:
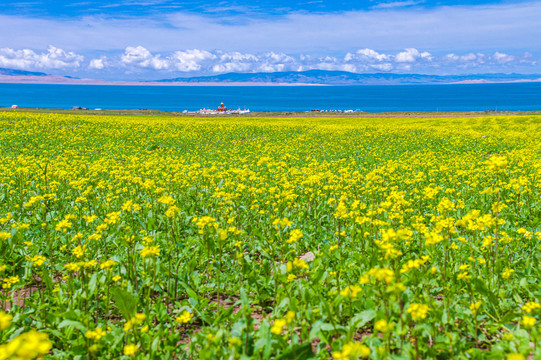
[
  {"x": 153, "y": 39},
  {"x": 62, "y": 8}
]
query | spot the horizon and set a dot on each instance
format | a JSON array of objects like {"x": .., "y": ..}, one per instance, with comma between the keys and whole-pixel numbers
[
  {"x": 134, "y": 40},
  {"x": 285, "y": 78}
]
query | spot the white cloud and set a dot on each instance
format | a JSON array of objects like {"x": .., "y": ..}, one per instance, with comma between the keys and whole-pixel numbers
[
  {"x": 267, "y": 67},
  {"x": 382, "y": 67},
  {"x": 141, "y": 57},
  {"x": 367, "y": 55},
  {"x": 97, "y": 64},
  {"x": 472, "y": 57},
  {"x": 411, "y": 55},
  {"x": 467, "y": 60},
  {"x": 231, "y": 67},
  {"x": 237, "y": 57},
  {"x": 502, "y": 58},
  {"x": 190, "y": 60},
  {"x": 330, "y": 66},
  {"x": 54, "y": 58},
  {"x": 139, "y": 60},
  {"x": 246, "y": 62}
]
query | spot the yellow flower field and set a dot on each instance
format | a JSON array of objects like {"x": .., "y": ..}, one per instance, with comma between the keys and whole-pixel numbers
[{"x": 269, "y": 238}]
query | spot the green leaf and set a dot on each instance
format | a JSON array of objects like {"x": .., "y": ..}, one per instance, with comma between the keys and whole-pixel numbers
[
  {"x": 316, "y": 332},
  {"x": 362, "y": 318},
  {"x": 125, "y": 302},
  {"x": 74, "y": 324},
  {"x": 264, "y": 342},
  {"x": 47, "y": 279},
  {"x": 298, "y": 352},
  {"x": 225, "y": 314},
  {"x": 481, "y": 288},
  {"x": 92, "y": 283},
  {"x": 155, "y": 344},
  {"x": 191, "y": 293}
]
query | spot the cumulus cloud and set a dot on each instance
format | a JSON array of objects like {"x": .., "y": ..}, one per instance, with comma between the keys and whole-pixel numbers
[
  {"x": 382, "y": 67},
  {"x": 141, "y": 57},
  {"x": 411, "y": 55},
  {"x": 498, "y": 59},
  {"x": 235, "y": 62},
  {"x": 366, "y": 55},
  {"x": 466, "y": 60},
  {"x": 368, "y": 59},
  {"x": 473, "y": 57},
  {"x": 53, "y": 58},
  {"x": 140, "y": 60},
  {"x": 190, "y": 60},
  {"x": 246, "y": 62},
  {"x": 97, "y": 64},
  {"x": 502, "y": 58}
]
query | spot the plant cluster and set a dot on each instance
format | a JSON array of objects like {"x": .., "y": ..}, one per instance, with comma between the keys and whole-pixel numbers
[{"x": 269, "y": 238}]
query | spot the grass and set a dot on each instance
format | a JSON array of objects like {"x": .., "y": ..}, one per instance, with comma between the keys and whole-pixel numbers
[{"x": 283, "y": 237}]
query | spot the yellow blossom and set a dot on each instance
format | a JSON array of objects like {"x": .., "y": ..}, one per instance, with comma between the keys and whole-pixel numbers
[
  {"x": 474, "y": 307},
  {"x": 528, "y": 321},
  {"x": 234, "y": 342},
  {"x": 531, "y": 306},
  {"x": 515, "y": 356},
  {"x": 38, "y": 260},
  {"x": 352, "y": 351},
  {"x": 79, "y": 251},
  {"x": 350, "y": 291},
  {"x": 184, "y": 317},
  {"x": 95, "y": 334},
  {"x": 150, "y": 251},
  {"x": 278, "y": 326},
  {"x": 26, "y": 346},
  {"x": 294, "y": 236},
  {"x": 383, "y": 326},
  {"x": 418, "y": 311},
  {"x": 507, "y": 273},
  {"x": 5, "y": 320},
  {"x": 130, "y": 349}
]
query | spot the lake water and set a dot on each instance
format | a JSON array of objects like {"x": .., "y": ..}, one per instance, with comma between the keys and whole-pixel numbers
[{"x": 517, "y": 96}]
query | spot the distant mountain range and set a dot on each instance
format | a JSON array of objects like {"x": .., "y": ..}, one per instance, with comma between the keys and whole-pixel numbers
[
  {"x": 325, "y": 77},
  {"x": 14, "y": 72},
  {"x": 310, "y": 77}
]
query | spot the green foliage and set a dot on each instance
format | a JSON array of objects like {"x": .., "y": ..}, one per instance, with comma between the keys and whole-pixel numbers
[{"x": 269, "y": 238}]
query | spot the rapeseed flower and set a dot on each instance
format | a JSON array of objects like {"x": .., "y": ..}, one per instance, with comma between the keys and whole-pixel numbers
[
  {"x": 294, "y": 236},
  {"x": 531, "y": 306},
  {"x": 148, "y": 251},
  {"x": 278, "y": 326},
  {"x": 5, "y": 320},
  {"x": 383, "y": 326},
  {"x": 95, "y": 334},
  {"x": 130, "y": 349},
  {"x": 26, "y": 346},
  {"x": 528, "y": 321},
  {"x": 184, "y": 317},
  {"x": 418, "y": 311},
  {"x": 352, "y": 351}
]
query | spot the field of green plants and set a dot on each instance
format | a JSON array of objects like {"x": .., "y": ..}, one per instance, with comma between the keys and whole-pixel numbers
[{"x": 269, "y": 238}]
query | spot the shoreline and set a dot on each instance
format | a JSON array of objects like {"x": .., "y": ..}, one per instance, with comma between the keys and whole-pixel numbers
[
  {"x": 61, "y": 80},
  {"x": 361, "y": 114}
]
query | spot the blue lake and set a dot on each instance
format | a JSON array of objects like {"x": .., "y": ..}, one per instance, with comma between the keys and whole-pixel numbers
[{"x": 516, "y": 96}]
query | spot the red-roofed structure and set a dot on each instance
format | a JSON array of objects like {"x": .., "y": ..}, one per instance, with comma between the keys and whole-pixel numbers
[{"x": 222, "y": 107}]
